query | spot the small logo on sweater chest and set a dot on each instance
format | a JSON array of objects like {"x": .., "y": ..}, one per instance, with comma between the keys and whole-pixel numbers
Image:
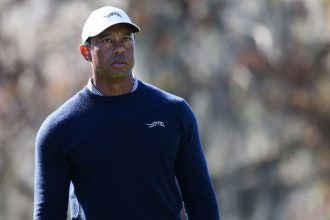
[{"x": 156, "y": 124}]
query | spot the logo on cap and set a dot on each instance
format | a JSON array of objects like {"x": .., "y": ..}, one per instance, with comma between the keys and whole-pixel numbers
[{"x": 112, "y": 14}]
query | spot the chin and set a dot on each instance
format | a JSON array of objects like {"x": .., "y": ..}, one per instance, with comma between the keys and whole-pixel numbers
[{"x": 119, "y": 75}]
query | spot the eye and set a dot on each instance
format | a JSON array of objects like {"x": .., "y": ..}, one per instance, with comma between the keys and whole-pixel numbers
[
  {"x": 127, "y": 38},
  {"x": 107, "y": 40}
]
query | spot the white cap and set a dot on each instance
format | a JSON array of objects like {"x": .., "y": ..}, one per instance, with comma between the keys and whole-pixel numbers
[{"x": 104, "y": 17}]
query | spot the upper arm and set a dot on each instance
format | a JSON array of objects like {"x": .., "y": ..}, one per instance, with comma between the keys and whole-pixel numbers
[
  {"x": 52, "y": 177},
  {"x": 192, "y": 172}
]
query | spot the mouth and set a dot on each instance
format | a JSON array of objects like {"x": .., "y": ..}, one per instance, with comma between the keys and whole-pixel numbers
[{"x": 119, "y": 63}]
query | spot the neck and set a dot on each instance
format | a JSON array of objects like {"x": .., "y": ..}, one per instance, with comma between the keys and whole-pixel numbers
[{"x": 114, "y": 87}]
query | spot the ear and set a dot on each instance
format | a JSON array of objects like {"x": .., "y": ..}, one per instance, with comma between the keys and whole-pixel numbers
[{"x": 85, "y": 52}]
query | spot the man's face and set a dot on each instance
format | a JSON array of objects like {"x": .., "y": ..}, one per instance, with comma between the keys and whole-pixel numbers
[{"x": 112, "y": 52}]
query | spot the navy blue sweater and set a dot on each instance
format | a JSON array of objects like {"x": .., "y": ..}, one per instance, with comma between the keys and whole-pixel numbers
[{"x": 135, "y": 156}]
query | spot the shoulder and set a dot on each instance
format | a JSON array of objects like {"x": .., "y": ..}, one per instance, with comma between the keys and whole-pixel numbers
[
  {"x": 153, "y": 91},
  {"x": 179, "y": 104},
  {"x": 71, "y": 107},
  {"x": 68, "y": 111}
]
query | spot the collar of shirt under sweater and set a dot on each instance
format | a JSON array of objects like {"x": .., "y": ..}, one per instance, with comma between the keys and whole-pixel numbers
[{"x": 91, "y": 87}]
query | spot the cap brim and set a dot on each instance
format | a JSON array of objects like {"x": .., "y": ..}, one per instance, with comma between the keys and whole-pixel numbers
[{"x": 132, "y": 26}]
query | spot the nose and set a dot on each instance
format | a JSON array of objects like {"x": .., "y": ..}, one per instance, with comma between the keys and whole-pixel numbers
[{"x": 119, "y": 49}]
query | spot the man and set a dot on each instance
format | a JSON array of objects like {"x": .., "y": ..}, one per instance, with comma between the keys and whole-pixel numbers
[{"x": 121, "y": 148}]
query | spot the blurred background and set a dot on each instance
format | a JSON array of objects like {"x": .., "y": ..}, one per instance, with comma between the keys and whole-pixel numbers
[{"x": 256, "y": 73}]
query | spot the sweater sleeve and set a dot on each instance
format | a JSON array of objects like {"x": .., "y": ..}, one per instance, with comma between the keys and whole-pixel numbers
[
  {"x": 52, "y": 177},
  {"x": 192, "y": 173}
]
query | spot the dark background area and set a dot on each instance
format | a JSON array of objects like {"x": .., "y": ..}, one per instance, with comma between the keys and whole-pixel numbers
[{"x": 256, "y": 73}]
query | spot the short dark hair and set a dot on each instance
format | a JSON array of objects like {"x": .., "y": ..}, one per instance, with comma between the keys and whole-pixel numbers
[{"x": 88, "y": 41}]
